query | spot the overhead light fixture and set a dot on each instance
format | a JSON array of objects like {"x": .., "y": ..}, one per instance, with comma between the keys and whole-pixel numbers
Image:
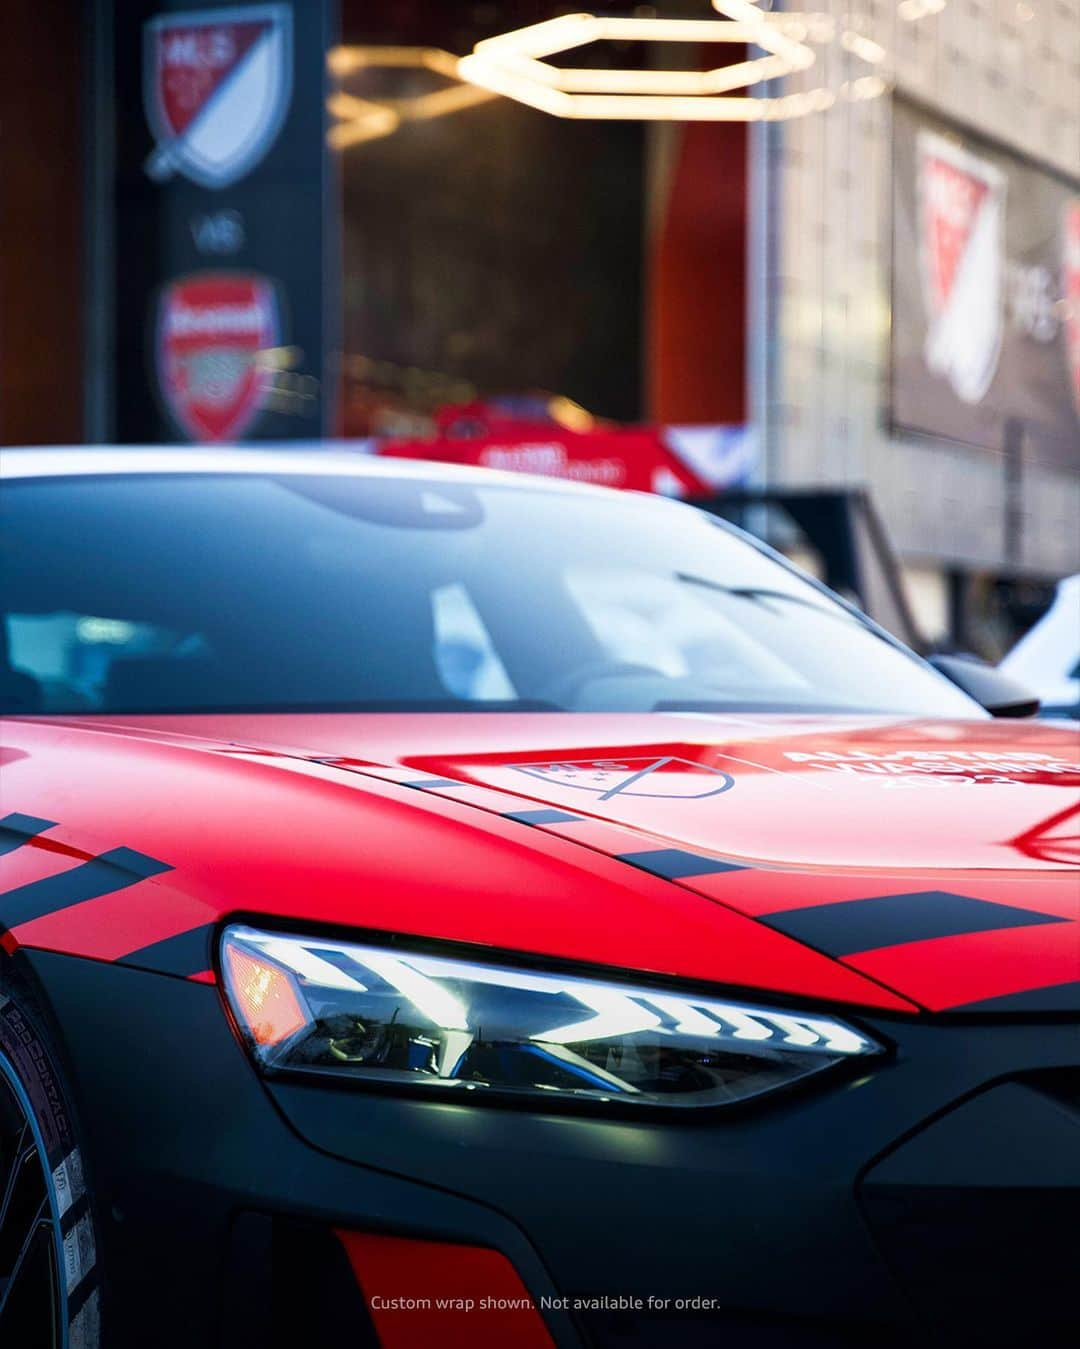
[
  {"x": 919, "y": 9},
  {"x": 514, "y": 64},
  {"x": 358, "y": 119},
  {"x": 866, "y": 49},
  {"x": 366, "y": 119},
  {"x": 347, "y": 60},
  {"x": 822, "y": 30}
]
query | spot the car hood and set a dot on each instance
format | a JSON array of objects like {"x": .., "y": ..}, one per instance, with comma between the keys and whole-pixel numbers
[
  {"x": 938, "y": 859},
  {"x": 815, "y": 793}
]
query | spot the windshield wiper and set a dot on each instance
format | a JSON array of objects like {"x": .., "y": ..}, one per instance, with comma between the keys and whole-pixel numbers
[{"x": 757, "y": 593}]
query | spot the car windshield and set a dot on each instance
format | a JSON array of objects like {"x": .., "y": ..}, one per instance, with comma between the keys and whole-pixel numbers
[{"x": 364, "y": 592}]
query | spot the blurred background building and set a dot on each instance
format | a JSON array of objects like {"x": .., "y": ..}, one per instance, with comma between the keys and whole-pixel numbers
[{"x": 835, "y": 248}]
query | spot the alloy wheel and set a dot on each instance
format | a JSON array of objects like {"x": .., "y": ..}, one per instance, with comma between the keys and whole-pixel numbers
[{"x": 32, "y": 1296}]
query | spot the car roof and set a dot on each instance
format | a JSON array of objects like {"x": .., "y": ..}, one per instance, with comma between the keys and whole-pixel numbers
[{"x": 336, "y": 458}]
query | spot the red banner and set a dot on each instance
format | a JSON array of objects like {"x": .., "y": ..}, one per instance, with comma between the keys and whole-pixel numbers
[{"x": 671, "y": 461}]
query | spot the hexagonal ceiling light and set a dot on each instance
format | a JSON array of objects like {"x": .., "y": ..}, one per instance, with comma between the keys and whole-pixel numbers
[
  {"x": 514, "y": 65},
  {"x": 364, "y": 119},
  {"x": 857, "y": 53}
]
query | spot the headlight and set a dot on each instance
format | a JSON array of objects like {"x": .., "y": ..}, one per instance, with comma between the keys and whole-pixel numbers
[{"x": 381, "y": 1014}]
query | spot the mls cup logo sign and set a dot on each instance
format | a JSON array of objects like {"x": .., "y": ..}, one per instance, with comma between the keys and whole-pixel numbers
[
  {"x": 669, "y": 778},
  {"x": 216, "y": 88},
  {"x": 961, "y": 249},
  {"x": 1070, "y": 276},
  {"x": 211, "y": 329}
]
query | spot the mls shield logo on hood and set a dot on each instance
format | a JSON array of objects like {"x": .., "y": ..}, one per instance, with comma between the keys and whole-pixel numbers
[
  {"x": 961, "y": 251},
  {"x": 211, "y": 330},
  {"x": 1070, "y": 278},
  {"x": 216, "y": 88},
  {"x": 666, "y": 778}
]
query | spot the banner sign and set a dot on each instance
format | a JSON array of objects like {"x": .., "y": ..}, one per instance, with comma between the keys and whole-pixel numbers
[
  {"x": 668, "y": 460},
  {"x": 219, "y": 287},
  {"x": 985, "y": 316}
]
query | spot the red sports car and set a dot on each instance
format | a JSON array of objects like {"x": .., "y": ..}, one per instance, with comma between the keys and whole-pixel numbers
[{"x": 446, "y": 908}]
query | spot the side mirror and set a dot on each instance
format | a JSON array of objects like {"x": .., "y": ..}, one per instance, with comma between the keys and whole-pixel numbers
[{"x": 999, "y": 693}]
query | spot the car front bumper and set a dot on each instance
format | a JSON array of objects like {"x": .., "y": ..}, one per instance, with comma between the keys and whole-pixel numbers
[{"x": 936, "y": 1195}]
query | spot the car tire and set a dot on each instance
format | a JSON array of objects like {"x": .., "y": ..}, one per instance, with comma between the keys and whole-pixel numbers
[{"x": 50, "y": 1272}]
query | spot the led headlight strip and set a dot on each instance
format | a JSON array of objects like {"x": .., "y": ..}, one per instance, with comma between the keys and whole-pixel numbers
[{"x": 386, "y": 1015}]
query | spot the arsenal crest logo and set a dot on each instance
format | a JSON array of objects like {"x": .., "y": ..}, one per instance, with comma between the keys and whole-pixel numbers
[
  {"x": 211, "y": 329},
  {"x": 216, "y": 88},
  {"x": 1070, "y": 276},
  {"x": 961, "y": 249}
]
